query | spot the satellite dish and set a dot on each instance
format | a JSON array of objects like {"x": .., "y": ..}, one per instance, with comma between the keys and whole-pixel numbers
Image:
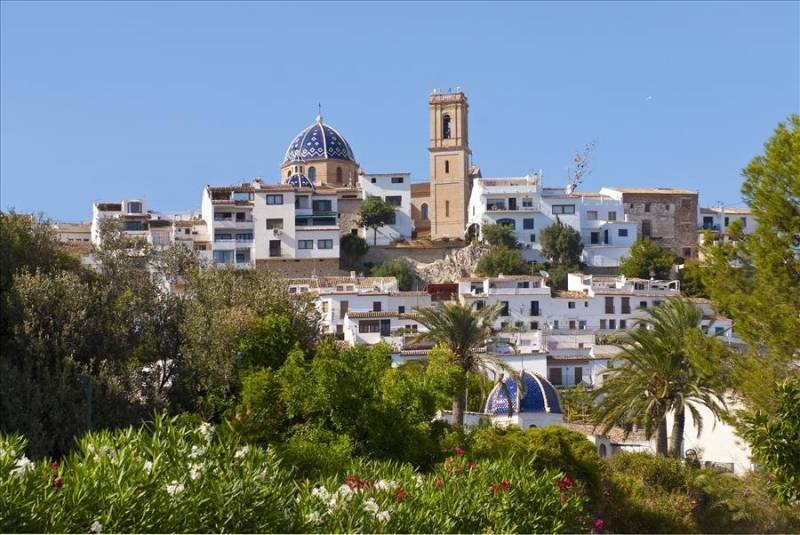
[{"x": 544, "y": 274}]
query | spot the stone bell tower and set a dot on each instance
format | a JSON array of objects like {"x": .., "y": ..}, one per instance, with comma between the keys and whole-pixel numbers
[{"x": 449, "y": 164}]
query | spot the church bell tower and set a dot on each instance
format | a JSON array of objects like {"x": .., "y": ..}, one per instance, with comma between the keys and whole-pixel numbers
[{"x": 449, "y": 164}]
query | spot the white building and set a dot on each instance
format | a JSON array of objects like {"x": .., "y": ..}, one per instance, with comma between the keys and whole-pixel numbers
[
  {"x": 524, "y": 204},
  {"x": 719, "y": 219},
  {"x": 277, "y": 224},
  {"x": 137, "y": 222},
  {"x": 395, "y": 189}
]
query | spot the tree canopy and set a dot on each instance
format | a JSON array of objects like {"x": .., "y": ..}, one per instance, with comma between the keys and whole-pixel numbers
[
  {"x": 561, "y": 244},
  {"x": 375, "y": 213},
  {"x": 647, "y": 259},
  {"x": 499, "y": 236},
  {"x": 352, "y": 248},
  {"x": 503, "y": 260},
  {"x": 398, "y": 268}
]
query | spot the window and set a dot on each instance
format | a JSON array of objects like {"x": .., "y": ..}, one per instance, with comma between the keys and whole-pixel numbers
[
  {"x": 594, "y": 238},
  {"x": 392, "y": 220},
  {"x": 397, "y": 180},
  {"x": 223, "y": 216},
  {"x": 571, "y": 304},
  {"x": 504, "y": 309},
  {"x": 274, "y": 199},
  {"x": 612, "y": 324},
  {"x": 305, "y": 244},
  {"x": 447, "y": 166},
  {"x": 612, "y": 216},
  {"x": 524, "y": 284},
  {"x": 369, "y": 326},
  {"x": 719, "y": 330},
  {"x": 578, "y": 375},
  {"x": 401, "y": 309},
  {"x": 603, "y": 451},
  {"x": 527, "y": 224},
  {"x": 243, "y": 257},
  {"x": 223, "y": 236},
  {"x": 667, "y": 207},
  {"x": 312, "y": 173},
  {"x": 288, "y": 173},
  {"x": 339, "y": 176},
  {"x": 527, "y": 202},
  {"x": 242, "y": 196},
  {"x": 727, "y": 221},
  {"x": 134, "y": 225},
  {"x": 626, "y": 305},
  {"x": 534, "y": 325},
  {"x": 533, "y": 238},
  {"x": 324, "y": 244},
  {"x": 240, "y": 216},
  {"x": 134, "y": 208},
  {"x": 609, "y": 305},
  {"x": 445, "y": 126},
  {"x": 643, "y": 304},
  {"x": 582, "y": 325},
  {"x": 321, "y": 206},
  {"x": 559, "y": 209},
  {"x": 423, "y": 211},
  {"x": 447, "y": 208},
  {"x": 223, "y": 257},
  {"x": 591, "y": 215},
  {"x": 554, "y": 375},
  {"x": 244, "y": 236},
  {"x": 274, "y": 248},
  {"x": 623, "y": 324},
  {"x": 507, "y": 222},
  {"x": 274, "y": 223},
  {"x": 603, "y": 324},
  {"x": 376, "y": 306},
  {"x": 647, "y": 207},
  {"x": 622, "y": 233},
  {"x": 647, "y": 229},
  {"x": 373, "y": 180},
  {"x": 534, "y": 308},
  {"x": 393, "y": 200}
]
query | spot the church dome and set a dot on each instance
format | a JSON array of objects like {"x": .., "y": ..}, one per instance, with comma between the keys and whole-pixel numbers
[
  {"x": 318, "y": 142},
  {"x": 539, "y": 396}
]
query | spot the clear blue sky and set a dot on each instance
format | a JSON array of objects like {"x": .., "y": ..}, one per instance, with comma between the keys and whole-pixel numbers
[{"x": 155, "y": 100}]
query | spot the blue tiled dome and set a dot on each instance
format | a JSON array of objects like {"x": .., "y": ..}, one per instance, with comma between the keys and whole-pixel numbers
[
  {"x": 539, "y": 396},
  {"x": 318, "y": 142},
  {"x": 299, "y": 181}
]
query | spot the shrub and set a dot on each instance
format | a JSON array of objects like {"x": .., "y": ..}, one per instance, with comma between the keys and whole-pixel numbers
[
  {"x": 499, "y": 236},
  {"x": 398, "y": 268},
  {"x": 313, "y": 451},
  {"x": 503, "y": 260}
]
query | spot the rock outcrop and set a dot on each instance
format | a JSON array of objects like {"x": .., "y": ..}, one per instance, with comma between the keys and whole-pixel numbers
[{"x": 457, "y": 264}]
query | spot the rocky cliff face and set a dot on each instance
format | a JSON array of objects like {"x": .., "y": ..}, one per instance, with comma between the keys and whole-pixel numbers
[{"x": 457, "y": 264}]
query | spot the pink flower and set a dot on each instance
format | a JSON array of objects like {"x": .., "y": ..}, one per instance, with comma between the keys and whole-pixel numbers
[
  {"x": 599, "y": 525},
  {"x": 472, "y": 464},
  {"x": 459, "y": 451},
  {"x": 565, "y": 483},
  {"x": 439, "y": 483},
  {"x": 400, "y": 495},
  {"x": 54, "y": 465},
  {"x": 500, "y": 487},
  {"x": 58, "y": 483}
]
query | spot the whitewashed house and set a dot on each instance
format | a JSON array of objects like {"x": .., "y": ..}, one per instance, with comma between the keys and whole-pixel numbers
[{"x": 395, "y": 189}]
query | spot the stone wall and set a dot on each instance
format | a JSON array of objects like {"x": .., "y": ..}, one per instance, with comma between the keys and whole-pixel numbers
[
  {"x": 326, "y": 267},
  {"x": 672, "y": 219}
]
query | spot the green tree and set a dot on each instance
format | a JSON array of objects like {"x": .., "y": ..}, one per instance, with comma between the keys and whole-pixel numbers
[
  {"x": 755, "y": 281},
  {"x": 398, "y": 268},
  {"x": 375, "y": 213},
  {"x": 775, "y": 440},
  {"x": 503, "y": 260},
  {"x": 261, "y": 416},
  {"x": 499, "y": 236},
  {"x": 269, "y": 340},
  {"x": 647, "y": 259},
  {"x": 561, "y": 244},
  {"x": 691, "y": 277},
  {"x": 352, "y": 248},
  {"x": 465, "y": 331},
  {"x": 668, "y": 364}
]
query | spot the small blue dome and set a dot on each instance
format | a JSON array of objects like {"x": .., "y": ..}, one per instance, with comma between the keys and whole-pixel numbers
[
  {"x": 318, "y": 142},
  {"x": 539, "y": 396}
]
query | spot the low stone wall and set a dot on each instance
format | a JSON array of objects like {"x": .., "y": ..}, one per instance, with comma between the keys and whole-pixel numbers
[
  {"x": 380, "y": 254},
  {"x": 328, "y": 267}
]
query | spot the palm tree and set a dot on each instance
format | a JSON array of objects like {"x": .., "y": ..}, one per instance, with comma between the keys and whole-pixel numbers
[
  {"x": 466, "y": 331},
  {"x": 666, "y": 365}
]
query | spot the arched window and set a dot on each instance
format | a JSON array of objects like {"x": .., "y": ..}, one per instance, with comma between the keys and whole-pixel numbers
[
  {"x": 288, "y": 173},
  {"x": 338, "y": 175},
  {"x": 445, "y": 126},
  {"x": 447, "y": 166},
  {"x": 312, "y": 173},
  {"x": 507, "y": 222},
  {"x": 603, "y": 451},
  {"x": 423, "y": 210},
  {"x": 447, "y": 208}
]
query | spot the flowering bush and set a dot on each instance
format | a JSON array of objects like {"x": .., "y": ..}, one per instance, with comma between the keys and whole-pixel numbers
[{"x": 171, "y": 477}]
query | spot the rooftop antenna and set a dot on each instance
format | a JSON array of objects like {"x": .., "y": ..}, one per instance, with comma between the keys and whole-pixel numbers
[{"x": 319, "y": 111}]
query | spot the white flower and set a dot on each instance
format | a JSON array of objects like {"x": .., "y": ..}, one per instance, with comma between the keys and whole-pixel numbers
[
  {"x": 96, "y": 527},
  {"x": 321, "y": 493},
  {"x": 383, "y": 516},
  {"x": 385, "y": 485},
  {"x": 148, "y": 466},
  {"x": 371, "y": 507},
  {"x": 420, "y": 482},
  {"x": 241, "y": 453},
  {"x": 345, "y": 492},
  {"x": 207, "y": 430},
  {"x": 111, "y": 454},
  {"x": 23, "y": 465},
  {"x": 314, "y": 517},
  {"x": 197, "y": 452},
  {"x": 174, "y": 488},
  {"x": 194, "y": 471}
]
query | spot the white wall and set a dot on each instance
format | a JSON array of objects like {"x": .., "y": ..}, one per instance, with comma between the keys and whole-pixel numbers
[{"x": 381, "y": 185}]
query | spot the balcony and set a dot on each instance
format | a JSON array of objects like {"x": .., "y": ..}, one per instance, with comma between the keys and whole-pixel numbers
[{"x": 503, "y": 208}]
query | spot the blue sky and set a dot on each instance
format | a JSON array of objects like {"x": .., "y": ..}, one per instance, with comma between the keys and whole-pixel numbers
[{"x": 155, "y": 100}]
